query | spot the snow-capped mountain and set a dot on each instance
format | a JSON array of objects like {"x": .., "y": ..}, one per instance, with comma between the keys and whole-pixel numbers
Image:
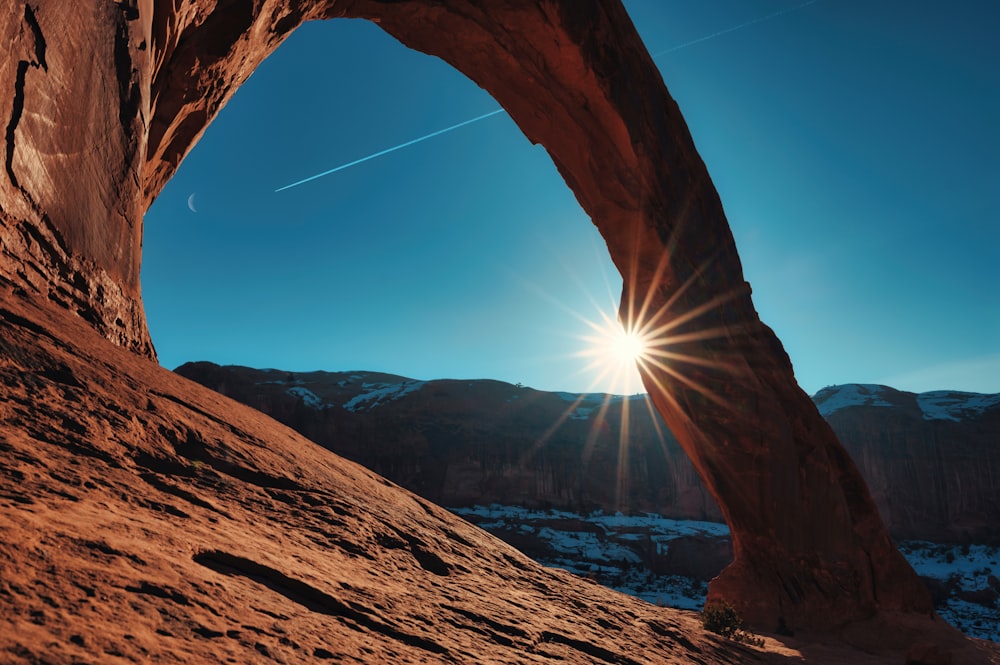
[
  {"x": 953, "y": 405},
  {"x": 931, "y": 460}
]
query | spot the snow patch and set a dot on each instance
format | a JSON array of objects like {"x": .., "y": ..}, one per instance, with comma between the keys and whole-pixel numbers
[
  {"x": 380, "y": 393},
  {"x": 309, "y": 398},
  {"x": 598, "y": 398},
  {"x": 833, "y": 399},
  {"x": 954, "y": 405},
  {"x": 609, "y": 552},
  {"x": 964, "y": 570},
  {"x": 658, "y": 525}
]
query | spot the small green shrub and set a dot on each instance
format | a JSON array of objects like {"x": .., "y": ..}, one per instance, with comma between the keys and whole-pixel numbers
[{"x": 722, "y": 618}]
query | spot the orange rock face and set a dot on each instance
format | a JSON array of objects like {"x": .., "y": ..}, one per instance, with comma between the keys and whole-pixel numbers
[
  {"x": 147, "y": 519},
  {"x": 107, "y": 98}
]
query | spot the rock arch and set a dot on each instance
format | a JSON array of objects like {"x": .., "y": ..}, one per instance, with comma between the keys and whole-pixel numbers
[{"x": 109, "y": 97}]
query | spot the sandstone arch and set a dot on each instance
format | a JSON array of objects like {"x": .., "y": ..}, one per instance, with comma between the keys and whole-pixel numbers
[{"x": 108, "y": 98}]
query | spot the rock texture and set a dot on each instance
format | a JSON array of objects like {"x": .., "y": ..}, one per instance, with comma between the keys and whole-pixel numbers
[
  {"x": 71, "y": 201},
  {"x": 107, "y": 98},
  {"x": 147, "y": 519},
  {"x": 933, "y": 469}
]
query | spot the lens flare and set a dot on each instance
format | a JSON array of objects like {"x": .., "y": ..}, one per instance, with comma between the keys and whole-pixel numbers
[
  {"x": 627, "y": 347},
  {"x": 616, "y": 352}
]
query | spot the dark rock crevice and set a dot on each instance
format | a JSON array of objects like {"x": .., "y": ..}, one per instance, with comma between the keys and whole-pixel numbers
[
  {"x": 15, "y": 117},
  {"x": 17, "y": 108},
  {"x": 36, "y": 32},
  {"x": 129, "y": 92},
  {"x": 592, "y": 650},
  {"x": 310, "y": 597}
]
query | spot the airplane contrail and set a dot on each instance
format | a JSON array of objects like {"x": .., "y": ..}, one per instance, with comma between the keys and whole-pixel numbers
[
  {"x": 492, "y": 113},
  {"x": 388, "y": 150},
  {"x": 732, "y": 29}
]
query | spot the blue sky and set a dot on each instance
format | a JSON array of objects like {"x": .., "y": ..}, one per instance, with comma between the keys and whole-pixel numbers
[{"x": 855, "y": 147}]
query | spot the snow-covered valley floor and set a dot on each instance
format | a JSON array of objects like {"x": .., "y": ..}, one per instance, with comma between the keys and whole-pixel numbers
[{"x": 669, "y": 562}]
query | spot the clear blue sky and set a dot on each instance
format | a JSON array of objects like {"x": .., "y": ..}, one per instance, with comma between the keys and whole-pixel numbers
[{"x": 855, "y": 146}]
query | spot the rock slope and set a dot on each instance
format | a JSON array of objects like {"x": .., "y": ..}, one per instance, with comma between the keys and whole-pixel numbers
[{"x": 148, "y": 519}]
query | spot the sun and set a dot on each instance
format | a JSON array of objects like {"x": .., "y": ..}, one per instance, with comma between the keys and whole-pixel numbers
[
  {"x": 627, "y": 347},
  {"x": 616, "y": 352}
]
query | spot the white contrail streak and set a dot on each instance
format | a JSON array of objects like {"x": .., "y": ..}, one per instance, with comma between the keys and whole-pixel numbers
[
  {"x": 732, "y": 29},
  {"x": 388, "y": 150},
  {"x": 492, "y": 113}
]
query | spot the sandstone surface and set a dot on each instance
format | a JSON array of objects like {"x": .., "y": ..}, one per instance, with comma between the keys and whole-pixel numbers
[
  {"x": 147, "y": 519},
  {"x": 107, "y": 98}
]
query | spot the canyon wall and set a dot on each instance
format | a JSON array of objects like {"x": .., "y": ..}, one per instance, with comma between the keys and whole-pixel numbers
[{"x": 932, "y": 460}]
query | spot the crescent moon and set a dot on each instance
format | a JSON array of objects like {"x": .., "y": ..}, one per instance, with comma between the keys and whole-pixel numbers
[{"x": 191, "y": 203}]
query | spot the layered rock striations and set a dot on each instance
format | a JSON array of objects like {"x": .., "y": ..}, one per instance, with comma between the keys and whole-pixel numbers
[
  {"x": 106, "y": 99},
  {"x": 71, "y": 201},
  {"x": 931, "y": 459}
]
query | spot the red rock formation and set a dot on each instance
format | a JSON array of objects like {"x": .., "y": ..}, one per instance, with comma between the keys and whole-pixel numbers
[
  {"x": 109, "y": 97},
  {"x": 71, "y": 203},
  {"x": 147, "y": 519}
]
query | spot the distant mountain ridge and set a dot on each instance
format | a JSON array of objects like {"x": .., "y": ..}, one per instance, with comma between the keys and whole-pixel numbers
[
  {"x": 932, "y": 460},
  {"x": 952, "y": 405}
]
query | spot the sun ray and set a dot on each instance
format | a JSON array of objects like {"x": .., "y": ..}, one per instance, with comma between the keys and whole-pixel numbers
[
  {"x": 647, "y": 339},
  {"x": 696, "y": 336},
  {"x": 622, "y": 474},
  {"x": 661, "y": 266},
  {"x": 725, "y": 365},
  {"x": 553, "y": 428},
  {"x": 664, "y": 310},
  {"x": 595, "y": 431},
  {"x": 654, "y": 417},
  {"x": 676, "y": 321},
  {"x": 693, "y": 384}
]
